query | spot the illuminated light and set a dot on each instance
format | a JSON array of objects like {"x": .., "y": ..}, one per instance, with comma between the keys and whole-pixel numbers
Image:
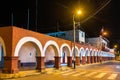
[
  {"x": 79, "y": 12},
  {"x": 105, "y": 33},
  {"x": 115, "y": 46}
]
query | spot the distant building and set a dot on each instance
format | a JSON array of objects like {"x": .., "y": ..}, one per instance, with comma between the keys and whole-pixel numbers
[
  {"x": 98, "y": 42},
  {"x": 68, "y": 35}
]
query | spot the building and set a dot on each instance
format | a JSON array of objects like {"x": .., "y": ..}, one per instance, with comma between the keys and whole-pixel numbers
[
  {"x": 24, "y": 49},
  {"x": 68, "y": 35},
  {"x": 99, "y": 42}
]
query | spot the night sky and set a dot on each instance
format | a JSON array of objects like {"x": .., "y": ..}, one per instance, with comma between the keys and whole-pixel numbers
[{"x": 56, "y": 15}]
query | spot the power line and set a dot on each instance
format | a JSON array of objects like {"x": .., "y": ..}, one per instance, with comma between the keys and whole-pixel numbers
[
  {"x": 104, "y": 4},
  {"x": 101, "y": 7}
]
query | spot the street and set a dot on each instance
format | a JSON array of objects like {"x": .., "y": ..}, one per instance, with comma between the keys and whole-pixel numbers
[{"x": 104, "y": 71}]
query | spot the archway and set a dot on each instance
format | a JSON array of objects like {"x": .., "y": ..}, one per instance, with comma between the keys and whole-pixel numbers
[
  {"x": 27, "y": 56},
  {"x": 95, "y": 55},
  {"x": 65, "y": 54},
  {"x": 87, "y": 56},
  {"x": 82, "y": 56},
  {"x": 2, "y": 52},
  {"x": 91, "y": 56},
  {"x": 1, "y": 56},
  {"x": 27, "y": 49},
  {"x": 49, "y": 57},
  {"x": 51, "y": 53}
]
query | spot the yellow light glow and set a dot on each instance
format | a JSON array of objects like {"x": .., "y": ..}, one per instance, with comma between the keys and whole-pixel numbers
[
  {"x": 105, "y": 33},
  {"x": 79, "y": 12},
  {"x": 115, "y": 46}
]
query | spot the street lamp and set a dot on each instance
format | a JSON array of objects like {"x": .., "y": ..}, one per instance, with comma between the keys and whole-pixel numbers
[
  {"x": 74, "y": 15},
  {"x": 115, "y": 46},
  {"x": 104, "y": 33}
]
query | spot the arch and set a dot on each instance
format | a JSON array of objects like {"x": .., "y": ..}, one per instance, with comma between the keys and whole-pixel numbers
[
  {"x": 91, "y": 55},
  {"x": 94, "y": 52},
  {"x": 1, "y": 56},
  {"x": 87, "y": 52},
  {"x": 65, "y": 52},
  {"x": 91, "y": 52},
  {"x": 54, "y": 44},
  {"x": 98, "y": 53},
  {"x": 82, "y": 51},
  {"x": 27, "y": 56},
  {"x": 81, "y": 54},
  {"x": 3, "y": 45},
  {"x": 68, "y": 47},
  {"x": 28, "y": 39}
]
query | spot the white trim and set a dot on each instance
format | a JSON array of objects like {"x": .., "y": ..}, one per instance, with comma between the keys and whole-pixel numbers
[
  {"x": 86, "y": 51},
  {"x": 65, "y": 45},
  {"x": 91, "y": 52},
  {"x": 27, "y": 39},
  {"x": 82, "y": 54},
  {"x": 94, "y": 52},
  {"x": 51, "y": 42},
  {"x": 3, "y": 45}
]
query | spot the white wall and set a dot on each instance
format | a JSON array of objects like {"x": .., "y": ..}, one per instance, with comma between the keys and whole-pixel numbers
[
  {"x": 103, "y": 41},
  {"x": 49, "y": 54},
  {"x": 27, "y": 53},
  {"x": 65, "y": 57},
  {"x": 81, "y": 36}
]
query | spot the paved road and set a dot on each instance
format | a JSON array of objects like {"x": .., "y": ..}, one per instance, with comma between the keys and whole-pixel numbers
[{"x": 105, "y": 71}]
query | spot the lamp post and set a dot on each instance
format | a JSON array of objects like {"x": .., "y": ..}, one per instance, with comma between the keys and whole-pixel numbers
[
  {"x": 101, "y": 48},
  {"x": 74, "y": 34}
]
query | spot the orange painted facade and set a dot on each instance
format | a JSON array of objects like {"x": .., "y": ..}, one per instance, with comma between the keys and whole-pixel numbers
[{"x": 10, "y": 37}]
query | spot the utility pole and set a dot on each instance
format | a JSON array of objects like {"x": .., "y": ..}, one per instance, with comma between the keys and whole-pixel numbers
[
  {"x": 12, "y": 18},
  {"x": 36, "y": 17},
  {"x": 28, "y": 21}
]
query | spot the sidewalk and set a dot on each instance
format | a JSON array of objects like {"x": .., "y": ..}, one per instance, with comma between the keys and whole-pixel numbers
[
  {"x": 36, "y": 72},
  {"x": 31, "y": 72},
  {"x": 20, "y": 74}
]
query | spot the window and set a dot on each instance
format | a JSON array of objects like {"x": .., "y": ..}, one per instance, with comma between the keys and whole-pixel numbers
[{"x": 82, "y": 34}]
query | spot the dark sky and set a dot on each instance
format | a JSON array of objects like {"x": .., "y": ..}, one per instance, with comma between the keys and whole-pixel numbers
[{"x": 54, "y": 14}]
